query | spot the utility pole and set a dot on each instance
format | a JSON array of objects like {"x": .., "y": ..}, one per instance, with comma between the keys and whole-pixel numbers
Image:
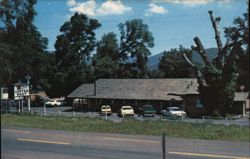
[{"x": 28, "y": 77}]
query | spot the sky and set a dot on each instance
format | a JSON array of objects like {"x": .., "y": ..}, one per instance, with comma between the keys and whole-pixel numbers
[{"x": 172, "y": 22}]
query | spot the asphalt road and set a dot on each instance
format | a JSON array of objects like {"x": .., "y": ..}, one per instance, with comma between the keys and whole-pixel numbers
[{"x": 19, "y": 143}]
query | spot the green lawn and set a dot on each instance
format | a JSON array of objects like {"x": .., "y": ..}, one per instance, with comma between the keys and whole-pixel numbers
[{"x": 129, "y": 126}]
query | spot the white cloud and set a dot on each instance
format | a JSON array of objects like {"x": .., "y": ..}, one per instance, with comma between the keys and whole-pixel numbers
[
  {"x": 106, "y": 8},
  {"x": 193, "y": 2},
  {"x": 71, "y": 3},
  {"x": 85, "y": 8},
  {"x": 112, "y": 7},
  {"x": 155, "y": 9}
]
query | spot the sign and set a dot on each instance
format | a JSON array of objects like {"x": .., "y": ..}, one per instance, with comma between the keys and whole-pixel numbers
[{"x": 20, "y": 91}]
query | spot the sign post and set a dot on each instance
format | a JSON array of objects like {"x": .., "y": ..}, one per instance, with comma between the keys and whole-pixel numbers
[
  {"x": 18, "y": 91},
  {"x": 163, "y": 146},
  {"x": 28, "y": 77}
]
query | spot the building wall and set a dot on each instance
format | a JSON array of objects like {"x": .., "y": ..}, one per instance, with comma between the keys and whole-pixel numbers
[{"x": 193, "y": 107}]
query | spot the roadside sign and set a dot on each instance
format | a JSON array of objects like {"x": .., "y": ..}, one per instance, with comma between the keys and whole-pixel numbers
[{"x": 18, "y": 91}]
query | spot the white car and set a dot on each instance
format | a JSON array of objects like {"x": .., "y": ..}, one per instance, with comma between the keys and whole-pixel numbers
[
  {"x": 174, "y": 111},
  {"x": 105, "y": 109},
  {"x": 54, "y": 103},
  {"x": 126, "y": 110}
]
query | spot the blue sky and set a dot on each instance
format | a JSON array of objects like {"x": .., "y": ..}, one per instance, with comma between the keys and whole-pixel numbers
[{"x": 172, "y": 22}]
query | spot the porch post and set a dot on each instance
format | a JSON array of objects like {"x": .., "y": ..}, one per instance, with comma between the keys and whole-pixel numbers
[{"x": 244, "y": 109}]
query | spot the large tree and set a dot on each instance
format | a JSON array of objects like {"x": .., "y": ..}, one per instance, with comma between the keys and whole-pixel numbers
[
  {"x": 172, "y": 65},
  {"x": 218, "y": 80},
  {"x": 73, "y": 48},
  {"x": 135, "y": 41},
  {"x": 76, "y": 42},
  {"x": 106, "y": 60},
  {"x": 22, "y": 45},
  {"x": 239, "y": 31}
]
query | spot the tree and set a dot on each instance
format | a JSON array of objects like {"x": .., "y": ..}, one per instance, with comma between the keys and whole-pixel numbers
[
  {"x": 135, "y": 42},
  {"x": 106, "y": 60},
  {"x": 76, "y": 42},
  {"x": 243, "y": 64},
  {"x": 173, "y": 66},
  {"x": 218, "y": 80},
  {"x": 240, "y": 32},
  {"x": 22, "y": 44},
  {"x": 73, "y": 48}
]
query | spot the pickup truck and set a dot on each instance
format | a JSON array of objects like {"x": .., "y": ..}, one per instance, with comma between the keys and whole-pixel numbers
[
  {"x": 147, "y": 110},
  {"x": 53, "y": 103}
]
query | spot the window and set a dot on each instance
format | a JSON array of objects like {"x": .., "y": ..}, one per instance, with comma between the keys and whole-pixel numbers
[{"x": 199, "y": 104}]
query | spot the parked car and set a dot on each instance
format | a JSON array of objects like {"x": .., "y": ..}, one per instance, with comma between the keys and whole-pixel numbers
[
  {"x": 174, "y": 111},
  {"x": 54, "y": 102},
  {"x": 147, "y": 110},
  {"x": 126, "y": 110},
  {"x": 106, "y": 109}
]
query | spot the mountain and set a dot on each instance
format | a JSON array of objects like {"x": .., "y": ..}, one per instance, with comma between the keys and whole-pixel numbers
[{"x": 154, "y": 60}]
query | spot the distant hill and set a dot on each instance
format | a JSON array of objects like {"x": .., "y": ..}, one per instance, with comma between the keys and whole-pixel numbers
[{"x": 154, "y": 60}]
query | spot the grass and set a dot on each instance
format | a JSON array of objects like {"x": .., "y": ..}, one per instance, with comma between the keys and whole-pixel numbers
[{"x": 129, "y": 126}]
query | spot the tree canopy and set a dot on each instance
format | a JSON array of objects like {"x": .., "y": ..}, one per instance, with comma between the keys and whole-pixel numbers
[
  {"x": 106, "y": 60},
  {"x": 73, "y": 49},
  {"x": 135, "y": 41},
  {"x": 172, "y": 65},
  {"x": 22, "y": 45}
]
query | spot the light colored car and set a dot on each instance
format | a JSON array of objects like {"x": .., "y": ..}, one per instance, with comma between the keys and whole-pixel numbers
[
  {"x": 53, "y": 102},
  {"x": 126, "y": 110},
  {"x": 106, "y": 109},
  {"x": 174, "y": 111}
]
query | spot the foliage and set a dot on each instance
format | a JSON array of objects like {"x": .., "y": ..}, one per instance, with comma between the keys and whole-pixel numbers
[
  {"x": 240, "y": 32},
  {"x": 243, "y": 65},
  {"x": 217, "y": 81},
  {"x": 77, "y": 40},
  {"x": 172, "y": 65},
  {"x": 135, "y": 41},
  {"x": 21, "y": 43},
  {"x": 106, "y": 60},
  {"x": 73, "y": 48}
]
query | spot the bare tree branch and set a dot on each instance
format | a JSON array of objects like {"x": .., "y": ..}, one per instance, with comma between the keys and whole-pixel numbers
[
  {"x": 220, "y": 61},
  {"x": 200, "y": 49},
  {"x": 215, "y": 23},
  {"x": 197, "y": 71}
]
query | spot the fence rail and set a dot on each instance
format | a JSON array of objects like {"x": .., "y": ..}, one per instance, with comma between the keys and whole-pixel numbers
[{"x": 236, "y": 120}]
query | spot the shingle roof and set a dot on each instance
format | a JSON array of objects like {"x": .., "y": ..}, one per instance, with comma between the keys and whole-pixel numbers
[
  {"x": 145, "y": 89},
  {"x": 241, "y": 96},
  {"x": 82, "y": 91}
]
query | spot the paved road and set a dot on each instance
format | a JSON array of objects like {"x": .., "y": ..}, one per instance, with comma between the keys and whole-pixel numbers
[{"x": 19, "y": 143}]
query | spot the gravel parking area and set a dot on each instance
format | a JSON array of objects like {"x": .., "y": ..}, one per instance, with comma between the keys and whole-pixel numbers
[{"x": 67, "y": 111}]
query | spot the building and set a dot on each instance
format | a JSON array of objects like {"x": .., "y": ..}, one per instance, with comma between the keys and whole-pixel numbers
[
  {"x": 161, "y": 93},
  {"x": 241, "y": 103}
]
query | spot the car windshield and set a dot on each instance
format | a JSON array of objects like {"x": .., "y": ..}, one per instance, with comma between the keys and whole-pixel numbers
[
  {"x": 147, "y": 107},
  {"x": 174, "y": 109},
  {"x": 105, "y": 107},
  {"x": 127, "y": 108}
]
